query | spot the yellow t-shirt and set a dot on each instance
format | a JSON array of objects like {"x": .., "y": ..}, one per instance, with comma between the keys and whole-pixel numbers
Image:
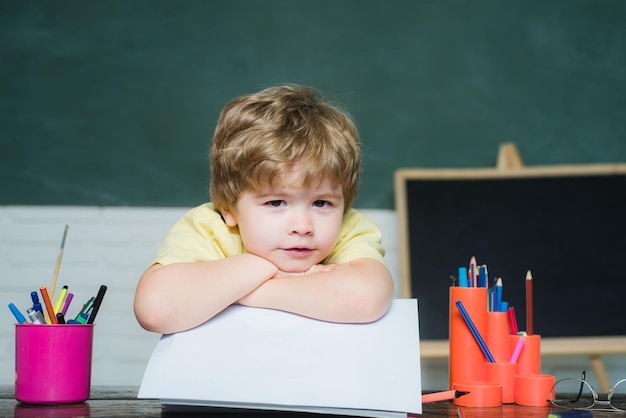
[{"x": 202, "y": 235}]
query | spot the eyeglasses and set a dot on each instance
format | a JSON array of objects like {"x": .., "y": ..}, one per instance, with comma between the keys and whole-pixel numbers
[{"x": 572, "y": 393}]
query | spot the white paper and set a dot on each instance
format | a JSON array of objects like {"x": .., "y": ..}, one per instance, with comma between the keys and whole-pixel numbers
[{"x": 266, "y": 359}]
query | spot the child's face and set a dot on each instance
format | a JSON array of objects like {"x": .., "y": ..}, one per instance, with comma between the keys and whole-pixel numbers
[{"x": 294, "y": 228}]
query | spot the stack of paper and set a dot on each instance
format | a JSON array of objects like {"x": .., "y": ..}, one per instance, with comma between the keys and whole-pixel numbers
[{"x": 264, "y": 359}]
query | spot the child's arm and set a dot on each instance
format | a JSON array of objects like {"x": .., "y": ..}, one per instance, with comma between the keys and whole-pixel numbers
[
  {"x": 354, "y": 292},
  {"x": 181, "y": 296}
]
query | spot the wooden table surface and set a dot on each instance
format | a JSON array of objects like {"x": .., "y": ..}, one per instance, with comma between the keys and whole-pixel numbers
[{"x": 122, "y": 401}]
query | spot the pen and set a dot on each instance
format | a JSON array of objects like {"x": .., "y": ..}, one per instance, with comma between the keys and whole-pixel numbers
[
  {"x": 33, "y": 315},
  {"x": 58, "y": 305},
  {"x": 49, "y": 308},
  {"x": 475, "y": 332},
  {"x": 442, "y": 396},
  {"x": 60, "y": 318},
  {"x": 85, "y": 308},
  {"x": 96, "y": 304},
  {"x": 17, "y": 314}
]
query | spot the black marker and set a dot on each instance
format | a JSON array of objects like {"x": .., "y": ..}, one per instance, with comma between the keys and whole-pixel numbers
[{"x": 96, "y": 304}]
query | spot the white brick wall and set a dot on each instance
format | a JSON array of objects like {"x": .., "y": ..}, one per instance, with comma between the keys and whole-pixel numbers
[
  {"x": 113, "y": 246},
  {"x": 109, "y": 246}
]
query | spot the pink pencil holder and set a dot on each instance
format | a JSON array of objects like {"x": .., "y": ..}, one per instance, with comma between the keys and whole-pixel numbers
[{"x": 53, "y": 363}]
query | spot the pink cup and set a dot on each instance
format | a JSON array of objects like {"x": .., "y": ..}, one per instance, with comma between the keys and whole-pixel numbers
[{"x": 53, "y": 363}]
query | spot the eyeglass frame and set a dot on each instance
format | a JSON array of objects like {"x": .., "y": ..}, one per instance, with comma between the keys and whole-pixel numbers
[{"x": 596, "y": 401}]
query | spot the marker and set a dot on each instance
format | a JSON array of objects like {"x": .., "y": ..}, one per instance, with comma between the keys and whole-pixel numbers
[
  {"x": 60, "y": 318},
  {"x": 463, "y": 277},
  {"x": 442, "y": 396},
  {"x": 49, "y": 308},
  {"x": 518, "y": 350},
  {"x": 571, "y": 414},
  {"x": 96, "y": 304},
  {"x": 66, "y": 305},
  {"x": 58, "y": 305},
  {"x": 36, "y": 305},
  {"x": 33, "y": 315},
  {"x": 17, "y": 314}
]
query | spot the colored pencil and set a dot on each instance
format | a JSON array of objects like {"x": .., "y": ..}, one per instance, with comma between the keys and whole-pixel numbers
[
  {"x": 529, "y": 303},
  {"x": 475, "y": 333},
  {"x": 442, "y": 396},
  {"x": 512, "y": 320}
]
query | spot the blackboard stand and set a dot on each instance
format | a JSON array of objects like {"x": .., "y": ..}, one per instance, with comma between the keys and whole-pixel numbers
[{"x": 510, "y": 168}]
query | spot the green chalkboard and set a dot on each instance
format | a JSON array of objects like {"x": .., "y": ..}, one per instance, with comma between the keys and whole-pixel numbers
[{"x": 114, "y": 102}]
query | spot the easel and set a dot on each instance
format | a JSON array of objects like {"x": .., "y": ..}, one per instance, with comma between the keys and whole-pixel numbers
[{"x": 510, "y": 164}]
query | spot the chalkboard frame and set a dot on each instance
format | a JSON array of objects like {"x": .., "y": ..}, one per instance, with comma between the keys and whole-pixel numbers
[{"x": 405, "y": 175}]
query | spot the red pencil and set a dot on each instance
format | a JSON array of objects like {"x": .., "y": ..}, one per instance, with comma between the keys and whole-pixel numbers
[
  {"x": 529, "y": 303},
  {"x": 512, "y": 320}
]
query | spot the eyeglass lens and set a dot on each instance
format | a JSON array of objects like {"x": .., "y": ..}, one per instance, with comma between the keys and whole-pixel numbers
[{"x": 576, "y": 393}]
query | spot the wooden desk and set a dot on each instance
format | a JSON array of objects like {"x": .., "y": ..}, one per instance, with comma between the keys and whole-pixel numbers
[{"x": 122, "y": 402}]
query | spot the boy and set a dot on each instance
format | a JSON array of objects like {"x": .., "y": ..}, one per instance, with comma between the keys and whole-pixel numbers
[{"x": 280, "y": 232}]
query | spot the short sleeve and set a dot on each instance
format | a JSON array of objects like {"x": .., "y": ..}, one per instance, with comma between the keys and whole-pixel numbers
[
  {"x": 200, "y": 235},
  {"x": 359, "y": 237}
]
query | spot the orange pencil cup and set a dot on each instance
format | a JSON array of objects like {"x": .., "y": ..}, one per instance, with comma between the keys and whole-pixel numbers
[
  {"x": 498, "y": 334},
  {"x": 529, "y": 361},
  {"x": 467, "y": 361},
  {"x": 533, "y": 389},
  {"x": 503, "y": 373},
  {"x": 481, "y": 394}
]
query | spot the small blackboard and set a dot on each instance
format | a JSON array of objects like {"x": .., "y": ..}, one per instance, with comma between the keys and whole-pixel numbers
[{"x": 567, "y": 224}]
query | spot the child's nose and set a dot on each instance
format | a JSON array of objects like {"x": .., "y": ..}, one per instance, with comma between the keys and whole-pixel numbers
[{"x": 301, "y": 223}]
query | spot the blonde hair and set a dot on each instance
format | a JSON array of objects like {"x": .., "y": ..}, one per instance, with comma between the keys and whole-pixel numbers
[{"x": 261, "y": 135}]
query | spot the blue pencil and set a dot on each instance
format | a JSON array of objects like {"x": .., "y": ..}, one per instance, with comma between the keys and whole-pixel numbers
[{"x": 475, "y": 332}]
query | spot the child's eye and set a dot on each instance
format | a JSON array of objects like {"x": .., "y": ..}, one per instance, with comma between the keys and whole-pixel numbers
[
  {"x": 275, "y": 203},
  {"x": 321, "y": 203}
]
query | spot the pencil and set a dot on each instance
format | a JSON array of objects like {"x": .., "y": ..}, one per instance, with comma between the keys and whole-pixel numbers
[
  {"x": 442, "y": 396},
  {"x": 529, "y": 303},
  {"x": 512, "y": 320},
  {"x": 475, "y": 333},
  {"x": 58, "y": 265}
]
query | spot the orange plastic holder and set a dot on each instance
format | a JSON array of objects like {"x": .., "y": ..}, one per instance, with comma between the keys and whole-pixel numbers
[{"x": 467, "y": 361}]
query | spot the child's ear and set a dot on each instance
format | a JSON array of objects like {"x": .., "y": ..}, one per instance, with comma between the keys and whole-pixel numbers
[{"x": 229, "y": 218}]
